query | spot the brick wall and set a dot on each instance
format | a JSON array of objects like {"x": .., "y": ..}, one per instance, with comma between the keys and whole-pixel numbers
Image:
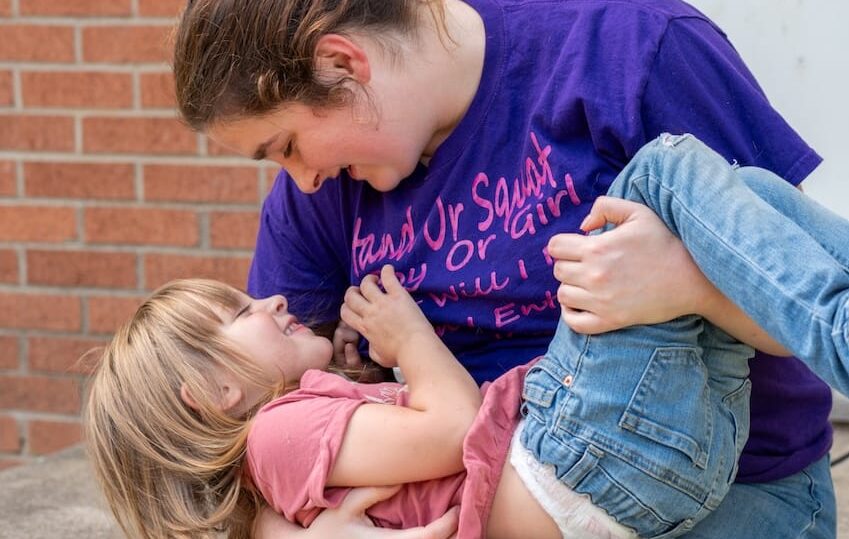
[{"x": 104, "y": 195}]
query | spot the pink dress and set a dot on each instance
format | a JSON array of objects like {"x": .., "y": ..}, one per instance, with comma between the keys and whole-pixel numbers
[{"x": 295, "y": 439}]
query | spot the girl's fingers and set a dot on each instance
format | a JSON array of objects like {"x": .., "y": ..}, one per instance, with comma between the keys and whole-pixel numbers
[
  {"x": 389, "y": 280},
  {"x": 352, "y": 356},
  {"x": 350, "y": 317},
  {"x": 355, "y": 301},
  {"x": 370, "y": 289}
]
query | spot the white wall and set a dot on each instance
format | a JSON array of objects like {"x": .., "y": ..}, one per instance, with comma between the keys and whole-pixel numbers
[{"x": 799, "y": 52}]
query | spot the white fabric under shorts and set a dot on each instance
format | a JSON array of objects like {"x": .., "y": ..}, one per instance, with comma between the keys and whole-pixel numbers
[{"x": 573, "y": 513}]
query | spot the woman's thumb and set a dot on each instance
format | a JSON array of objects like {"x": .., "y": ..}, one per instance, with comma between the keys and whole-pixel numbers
[{"x": 608, "y": 210}]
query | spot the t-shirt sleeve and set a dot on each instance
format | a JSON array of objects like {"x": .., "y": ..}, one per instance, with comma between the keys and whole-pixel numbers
[
  {"x": 699, "y": 84},
  {"x": 301, "y": 250},
  {"x": 292, "y": 449}
]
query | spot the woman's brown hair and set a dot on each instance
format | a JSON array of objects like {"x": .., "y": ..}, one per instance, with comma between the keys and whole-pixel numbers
[{"x": 244, "y": 58}]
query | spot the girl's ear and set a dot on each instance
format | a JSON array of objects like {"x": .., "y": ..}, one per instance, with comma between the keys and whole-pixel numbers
[
  {"x": 231, "y": 395},
  {"x": 338, "y": 57},
  {"x": 186, "y": 397}
]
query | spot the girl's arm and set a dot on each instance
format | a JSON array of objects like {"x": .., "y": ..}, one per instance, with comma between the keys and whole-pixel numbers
[
  {"x": 349, "y": 520},
  {"x": 639, "y": 273},
  {"x": 388, "y": 445}
]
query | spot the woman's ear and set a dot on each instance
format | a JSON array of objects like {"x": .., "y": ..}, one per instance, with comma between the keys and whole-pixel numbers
[{"x": 338, "y": 57}]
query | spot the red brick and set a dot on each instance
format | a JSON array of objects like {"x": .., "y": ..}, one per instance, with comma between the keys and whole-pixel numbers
[
  {"x": 159, "y": 269},
  {"x": 76, "y": 89},
  {"x": 36, "y": 133},
  {"x": 37, "y": 223},
  {"x": 83, "y": 8},
  {"x": 157, "y": 90},
  {"x": 216, "y": 150},
  {"x": 201, "y": 184},
  {"x": 80, "y": 180},
  {"x": 8, "y": 266},
  {"x": 234, "y": 230},
  {"x": 81, "y": 268},
  {"x": 107, "y": 313},
  {"x": 37, "y": 43},
  {"x": 10, "y": 435},
  {"x": 8, "y": 183},
  {"x": 40, "y": 394},
  {"x": 9, "y": 351},
  {"x": 141, "y": 226},
  {"x": 40, "y": 311},
  {"x": 161, "y": 8},
  {"x": 6, "y": 463},
  {"x": 126, "y": 44},
  {"x": 7, "y": 94},
  {"x": 64, "y": 355},
  {"x": 163, "y": 136},
  {"x": 51, "y": 436},
  {"x": 5, "y": 8}
]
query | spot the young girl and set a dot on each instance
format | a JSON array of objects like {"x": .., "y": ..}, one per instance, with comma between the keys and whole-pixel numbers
[
  {"x": 453, "y": 139},
  {"x": 181, "y": 449}
]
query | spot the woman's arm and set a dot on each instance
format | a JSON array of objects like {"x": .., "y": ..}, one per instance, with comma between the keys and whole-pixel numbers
[
  {"x": 388, "y": 445},
  {"x": 349, "y": 520},
  {"x": 639, "y": 273}
]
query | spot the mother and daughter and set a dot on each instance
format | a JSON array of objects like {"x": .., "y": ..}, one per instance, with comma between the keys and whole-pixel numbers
[{"x": 479, "y": 130}]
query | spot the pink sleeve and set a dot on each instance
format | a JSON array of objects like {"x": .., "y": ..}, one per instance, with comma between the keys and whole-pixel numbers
[
  {"x": 294, "y": 442},
  {"x": 292, "y": 449}
]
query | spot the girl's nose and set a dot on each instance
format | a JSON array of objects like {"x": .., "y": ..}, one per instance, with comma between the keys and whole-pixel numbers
[{"x": 277, "y": 304}]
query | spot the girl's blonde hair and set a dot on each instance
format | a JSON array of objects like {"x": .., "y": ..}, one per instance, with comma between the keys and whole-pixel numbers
[
  {"x": 244, "y": 58},
  {"x": 169, "y": 470}
]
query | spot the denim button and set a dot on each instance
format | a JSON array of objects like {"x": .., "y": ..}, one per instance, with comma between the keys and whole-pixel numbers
[{"x": 567, "y": 380}]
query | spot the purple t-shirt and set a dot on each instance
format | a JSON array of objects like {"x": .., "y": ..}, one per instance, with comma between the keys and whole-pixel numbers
[{"x": 569, "y": 92}]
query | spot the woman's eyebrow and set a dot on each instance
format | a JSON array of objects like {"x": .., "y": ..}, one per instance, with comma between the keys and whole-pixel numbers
[{"x": 262, "y": 150}]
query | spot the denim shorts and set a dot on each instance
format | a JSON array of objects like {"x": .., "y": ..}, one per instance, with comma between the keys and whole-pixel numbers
[{"x": 648, "y": 421}]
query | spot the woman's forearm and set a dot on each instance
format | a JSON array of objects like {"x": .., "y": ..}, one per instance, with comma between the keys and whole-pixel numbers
[{"x": 721, "y": 312}]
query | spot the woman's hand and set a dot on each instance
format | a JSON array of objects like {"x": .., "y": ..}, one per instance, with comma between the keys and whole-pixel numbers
[
  {"x": 349, "y": 521},
  {"x": 637, "y": 273},
  {"x": 387, "y": 318}
]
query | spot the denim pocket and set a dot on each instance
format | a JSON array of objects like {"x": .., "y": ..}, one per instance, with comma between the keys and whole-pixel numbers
[
  {"x": 671, "y": 403},
  {"x": 541, "y": 386}
]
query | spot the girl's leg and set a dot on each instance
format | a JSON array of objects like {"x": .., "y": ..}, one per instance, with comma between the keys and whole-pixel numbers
[
  {"x": 776, "y": 271},
  {"x": 825, "y": 226}
]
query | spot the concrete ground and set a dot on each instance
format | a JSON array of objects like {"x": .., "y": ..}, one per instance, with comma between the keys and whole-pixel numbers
[{"x": 57, "y": 498}]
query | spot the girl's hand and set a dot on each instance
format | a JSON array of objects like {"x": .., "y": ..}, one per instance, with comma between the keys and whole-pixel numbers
[
  {"x": 637, "y": 273},
  {"x": 345, "y": 353},
  {"x": 387, "y": 318},
  {"x": 349, "y": 520}
]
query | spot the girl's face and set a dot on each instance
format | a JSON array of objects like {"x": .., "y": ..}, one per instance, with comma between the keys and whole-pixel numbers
[
  {"x": 314, "y": 146},
  {"x": 272, "y": 337}
]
